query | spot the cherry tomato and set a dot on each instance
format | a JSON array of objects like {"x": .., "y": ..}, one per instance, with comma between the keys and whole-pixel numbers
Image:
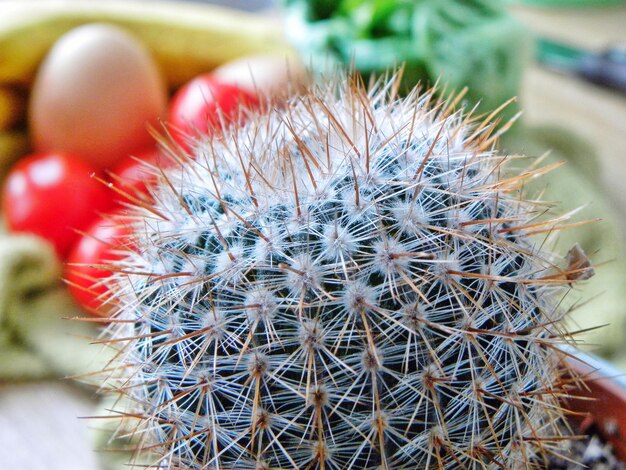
[
  {"x": 102, "y": 243},
  {"x": 52, "y": 195},
  {"x": 133, "y": 174},
  {"x": 203, "y": 105}
]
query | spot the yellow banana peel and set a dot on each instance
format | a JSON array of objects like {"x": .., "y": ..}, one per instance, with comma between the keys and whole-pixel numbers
[
  {"x": 12, "y": 146},
  {"x": 11, "y": 107},
  {"x": 185, "y": 39}
]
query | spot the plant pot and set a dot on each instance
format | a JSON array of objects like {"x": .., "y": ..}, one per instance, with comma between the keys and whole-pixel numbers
[{"x": 600, "y": 401}]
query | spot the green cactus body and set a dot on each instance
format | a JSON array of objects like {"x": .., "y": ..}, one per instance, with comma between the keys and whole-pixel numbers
[{"x": 343, "y": 284}]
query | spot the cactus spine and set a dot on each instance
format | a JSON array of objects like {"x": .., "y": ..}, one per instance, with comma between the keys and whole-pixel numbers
[{"x": 347, "y": 283}]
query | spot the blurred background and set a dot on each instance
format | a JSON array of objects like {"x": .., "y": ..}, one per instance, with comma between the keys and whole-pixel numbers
[{"x": 564, "y": 59}]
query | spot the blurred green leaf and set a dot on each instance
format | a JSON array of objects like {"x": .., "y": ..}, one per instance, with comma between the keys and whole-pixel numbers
[{"x": 474, "y": 43}]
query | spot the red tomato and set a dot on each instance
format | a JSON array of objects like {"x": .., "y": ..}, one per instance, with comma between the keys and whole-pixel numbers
[
  {"x": 52, "y": 195},
  {"x": 203, "y": 104},
  {"x": 132, "y": 174},
  {"x": 100, "y": 245}
]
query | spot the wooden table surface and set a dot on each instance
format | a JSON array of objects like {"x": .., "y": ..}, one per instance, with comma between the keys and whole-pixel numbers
[{"x": 39, "y": 429}]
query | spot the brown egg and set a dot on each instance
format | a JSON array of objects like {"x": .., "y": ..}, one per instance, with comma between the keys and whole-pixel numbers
[{"x": 95, "y": 95}]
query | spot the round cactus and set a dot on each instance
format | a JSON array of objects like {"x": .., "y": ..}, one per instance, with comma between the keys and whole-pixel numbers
[{"x": 346, "y": 283}]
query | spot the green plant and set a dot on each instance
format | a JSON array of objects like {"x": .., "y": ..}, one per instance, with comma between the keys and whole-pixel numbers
[
  {"x": 476, "y": 44},
  {"x": 347, "y": 283}
]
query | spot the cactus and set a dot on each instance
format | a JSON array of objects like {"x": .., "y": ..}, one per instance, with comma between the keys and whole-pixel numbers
[{"x": 346, "y": 283}]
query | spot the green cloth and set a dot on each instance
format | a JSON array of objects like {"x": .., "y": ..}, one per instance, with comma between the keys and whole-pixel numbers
[
  {"x": 36, "y": 339},
  {"x": 572, "y": 186}
]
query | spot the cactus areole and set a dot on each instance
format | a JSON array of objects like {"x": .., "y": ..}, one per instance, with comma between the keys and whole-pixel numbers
[{"x": 350, "y": 282}]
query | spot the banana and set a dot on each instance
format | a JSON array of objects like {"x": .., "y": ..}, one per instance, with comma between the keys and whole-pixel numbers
[
  {"x": 11, "y": 107},
  {"x": 185, "y": 39},
  {"x": 12, "y": 146}
]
